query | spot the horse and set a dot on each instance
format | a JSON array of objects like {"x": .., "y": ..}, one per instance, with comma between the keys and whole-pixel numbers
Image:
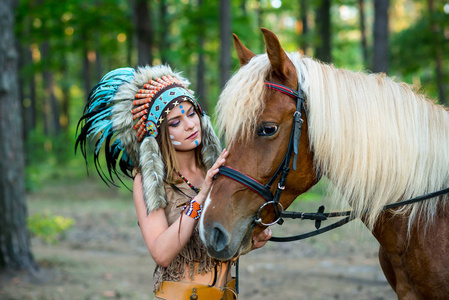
[{"x": 377, "y": 140}]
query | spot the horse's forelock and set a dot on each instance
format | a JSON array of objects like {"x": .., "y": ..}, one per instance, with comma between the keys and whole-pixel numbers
[{"x": 241, "y": 103}]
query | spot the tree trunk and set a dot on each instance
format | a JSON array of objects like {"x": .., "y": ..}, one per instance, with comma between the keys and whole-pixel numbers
[
  {"x": 438, "y": 53},
  {"x": 51, "y": 107},
  {"x": 305, "y": 25},
  {"x": 65, "y": 101},
  {"x": 86, "y": 70},
  {"x": 323, "y": 21},
  {"x": 259, "y": 15},
  {"x": 27, "y": 93},
  {"x": 201, "y": 68},
  {"x": 380, "y": 55},
  {"x": 130, "y": 44},
  {"x": 50, "y": 104},
  {"x": 27, "y": 82},
  {"x": 15, "y": 252},
  {"x": 363, "y": 32},
  {"x": 243, "y": 8},
  {"x": 144, "y": 31},
  {"x": 225, "y": 45},
  {"x": 165, "y": 25},
  {"x": 98, "y": 66}
]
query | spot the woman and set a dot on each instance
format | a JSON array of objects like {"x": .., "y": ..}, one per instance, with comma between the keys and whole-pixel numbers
[{"x": 167, "y": 144}]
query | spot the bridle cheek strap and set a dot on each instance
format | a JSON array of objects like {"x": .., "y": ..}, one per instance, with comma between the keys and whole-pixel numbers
[
  {"x": 283, "y": 169},
  {"x": 247, "y": 181}
]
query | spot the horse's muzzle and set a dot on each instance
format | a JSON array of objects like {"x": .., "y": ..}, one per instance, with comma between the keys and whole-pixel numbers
[{"x": 218, "y": 241}]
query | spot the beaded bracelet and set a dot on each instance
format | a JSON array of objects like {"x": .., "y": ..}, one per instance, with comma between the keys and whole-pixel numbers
[{"x": 194, "y": 209}]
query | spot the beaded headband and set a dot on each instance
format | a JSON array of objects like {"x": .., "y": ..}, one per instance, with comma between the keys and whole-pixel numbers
[{"x": 155, "y": 101}]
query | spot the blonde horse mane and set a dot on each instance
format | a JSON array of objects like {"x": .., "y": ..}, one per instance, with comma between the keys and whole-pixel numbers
[{"x": 377, "y": 140}]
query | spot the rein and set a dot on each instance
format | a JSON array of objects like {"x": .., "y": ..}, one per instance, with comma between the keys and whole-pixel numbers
[
  {"x": 293, "y": 146},
  {"x": 321, "y": 216}
]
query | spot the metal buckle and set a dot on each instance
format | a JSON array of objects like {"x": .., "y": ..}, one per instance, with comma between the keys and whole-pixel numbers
[
  {"x": 258, "y": 219},
  {"x": 297, "y": 113}
]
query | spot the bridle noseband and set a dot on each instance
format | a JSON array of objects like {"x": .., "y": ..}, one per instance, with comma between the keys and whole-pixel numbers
[{"x": 283, "y": 169}]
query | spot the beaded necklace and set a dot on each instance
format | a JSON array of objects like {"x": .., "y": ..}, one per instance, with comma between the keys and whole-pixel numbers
[{"x": 197, "y": 190}]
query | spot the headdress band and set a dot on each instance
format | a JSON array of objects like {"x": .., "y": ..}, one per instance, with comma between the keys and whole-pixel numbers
[{"x": 155, "y": 101}]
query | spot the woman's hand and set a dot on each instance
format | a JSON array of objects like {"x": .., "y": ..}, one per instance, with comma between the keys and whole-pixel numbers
[
  {"x": 211, "y": 173},
  {"x": 261, "y": 238}
]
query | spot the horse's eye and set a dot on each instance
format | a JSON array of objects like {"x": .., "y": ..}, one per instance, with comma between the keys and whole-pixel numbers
[{"x": 267, "y": 130}]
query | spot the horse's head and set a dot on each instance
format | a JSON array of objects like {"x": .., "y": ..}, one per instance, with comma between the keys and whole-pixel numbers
[{"x": 258, "y": 124}]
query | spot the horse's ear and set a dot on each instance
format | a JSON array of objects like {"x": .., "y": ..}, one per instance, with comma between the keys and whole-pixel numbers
[
  {"x": 279, "y": 60},
  {"x": 243, "y": 53}
]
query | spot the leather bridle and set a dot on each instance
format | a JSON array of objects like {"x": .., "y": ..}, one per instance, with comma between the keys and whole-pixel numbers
[{"x": 283, "y": 169}]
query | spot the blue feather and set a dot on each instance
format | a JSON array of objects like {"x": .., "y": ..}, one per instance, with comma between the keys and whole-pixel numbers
[{"x": 97, "y": 124}]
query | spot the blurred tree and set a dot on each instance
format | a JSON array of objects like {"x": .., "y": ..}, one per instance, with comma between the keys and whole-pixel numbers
[
  {"x": 362, "y": 22},
  {"x": 50, "y": 104},
  {"x": 64, "y": 118},
  {"x": 380, "y": 31},
  {"x": 323, "y": 23},
  {"x": 243, "y": 8},
  {"x": 164, "y": 44},
  {"x": 27, "y": 80},
  {"x": 246, "y": 25},
  {"x": 144, "y": 31},
  {"x": 438, "y": 53},
  {"x": 225, "y": 41},
  {"x": 86, "y": 70},
  {"x": 260, "y": 23},
  {"x": 15, "y": 252},
  {"x": 304, "y": 25},
  {"x": 417, "y": 64},
  {"x": 201, "y": 67}
]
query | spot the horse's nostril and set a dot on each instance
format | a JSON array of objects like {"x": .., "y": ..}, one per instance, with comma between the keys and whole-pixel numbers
[{"x": 219, "y": 238}]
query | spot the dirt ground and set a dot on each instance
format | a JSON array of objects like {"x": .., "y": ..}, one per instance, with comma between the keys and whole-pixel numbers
[{"x": 103, "y": 255}]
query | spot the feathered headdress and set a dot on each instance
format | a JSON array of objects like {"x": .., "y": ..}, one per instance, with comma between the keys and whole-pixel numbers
[{"x": 123, "y": 114}]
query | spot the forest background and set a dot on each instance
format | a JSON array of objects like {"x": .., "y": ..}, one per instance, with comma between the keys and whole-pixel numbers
[{"x": 54, "y": 51}]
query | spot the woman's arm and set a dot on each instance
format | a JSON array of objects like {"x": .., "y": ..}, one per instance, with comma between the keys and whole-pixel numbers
[{"x": 164, "y": 242}]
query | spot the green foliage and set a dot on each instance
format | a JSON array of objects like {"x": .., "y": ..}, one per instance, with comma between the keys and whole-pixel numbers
[
  {"x": 74, "y": 29},
  {"x": 50, "y": 158},
  {"x": 49, "y": 227},
  {"x": 413, "y": 51},
  {"x": 45, "y": 155}
]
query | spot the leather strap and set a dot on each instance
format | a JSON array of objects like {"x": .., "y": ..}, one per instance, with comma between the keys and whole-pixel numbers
[
  {"x": 247, "y": 181},
  {"x": 313, "y": 233},
  {"x": 323, "y": 216}
]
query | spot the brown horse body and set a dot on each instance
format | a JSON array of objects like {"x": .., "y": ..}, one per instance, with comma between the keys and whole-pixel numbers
[
  {"x": 416, "y": 267},
  {"x": 414, "y": 260}
]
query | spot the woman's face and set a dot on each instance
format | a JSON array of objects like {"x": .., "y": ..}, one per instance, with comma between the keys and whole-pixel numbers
[{"x": 184, "y": 127}]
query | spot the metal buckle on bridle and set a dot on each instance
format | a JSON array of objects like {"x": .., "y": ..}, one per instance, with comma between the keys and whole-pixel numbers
[
  {"x": 299, "y": 116},
  {"x": 258, "y": 219}
]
